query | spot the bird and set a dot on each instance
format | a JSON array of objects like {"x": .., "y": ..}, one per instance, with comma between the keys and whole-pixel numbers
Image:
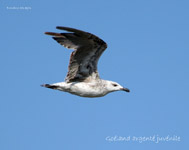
[{"x": 83, "y": 78}]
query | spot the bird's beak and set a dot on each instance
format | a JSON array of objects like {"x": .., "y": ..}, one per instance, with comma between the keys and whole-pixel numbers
[{"x": 126, "y": 89}]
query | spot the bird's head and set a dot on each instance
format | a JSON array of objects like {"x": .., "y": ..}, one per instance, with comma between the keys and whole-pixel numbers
[{"x": 114, "y": 86}]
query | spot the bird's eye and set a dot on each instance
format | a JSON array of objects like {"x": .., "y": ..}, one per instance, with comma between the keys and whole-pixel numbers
[{"x": 114, "y": 85}]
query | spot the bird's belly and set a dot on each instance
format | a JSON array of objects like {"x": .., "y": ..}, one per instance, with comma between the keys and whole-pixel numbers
[{"x": 86, "y": 91}]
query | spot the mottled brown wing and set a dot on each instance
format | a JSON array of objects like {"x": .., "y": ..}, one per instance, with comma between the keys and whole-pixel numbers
[{"x": 87, "y": 50}]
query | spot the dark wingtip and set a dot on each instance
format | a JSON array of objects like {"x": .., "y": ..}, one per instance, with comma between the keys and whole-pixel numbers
[
  {"x": 53, "y": 34},
  {"x": 59, "y": 27},
  {"x": 62, "y": 28},
  {"x": 47, "y": 33}
]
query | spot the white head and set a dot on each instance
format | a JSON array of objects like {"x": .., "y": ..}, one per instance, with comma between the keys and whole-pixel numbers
[{"x": 114, "y": 86}]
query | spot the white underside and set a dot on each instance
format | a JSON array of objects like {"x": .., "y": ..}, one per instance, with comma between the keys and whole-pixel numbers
[{"x": 83, "y": 89}]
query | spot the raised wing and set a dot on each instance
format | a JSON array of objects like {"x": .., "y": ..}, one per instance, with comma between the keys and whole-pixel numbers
[{"x": 87, "y": 51}]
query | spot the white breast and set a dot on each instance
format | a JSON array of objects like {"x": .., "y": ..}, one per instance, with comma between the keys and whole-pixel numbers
[{"x": 87, "y": 89}]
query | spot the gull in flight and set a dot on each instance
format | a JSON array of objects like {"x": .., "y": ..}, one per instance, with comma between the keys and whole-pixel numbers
[{"x": 82, "y": 78}]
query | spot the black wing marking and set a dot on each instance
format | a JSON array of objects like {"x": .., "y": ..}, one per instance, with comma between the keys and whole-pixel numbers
[{"x": 87, "y": 50}]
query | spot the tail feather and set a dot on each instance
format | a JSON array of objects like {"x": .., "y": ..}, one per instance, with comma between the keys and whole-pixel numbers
[{"x": 49, "y": 86}]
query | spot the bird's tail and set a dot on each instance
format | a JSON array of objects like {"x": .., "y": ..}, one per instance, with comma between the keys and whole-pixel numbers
[{"x": 50, "y": 86}]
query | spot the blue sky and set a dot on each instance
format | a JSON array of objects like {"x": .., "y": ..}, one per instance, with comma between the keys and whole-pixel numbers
[{"x": 147, "y": 52}]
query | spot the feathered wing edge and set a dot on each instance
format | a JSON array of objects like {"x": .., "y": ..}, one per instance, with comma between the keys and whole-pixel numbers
[{"x": 88, "y": 48}]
